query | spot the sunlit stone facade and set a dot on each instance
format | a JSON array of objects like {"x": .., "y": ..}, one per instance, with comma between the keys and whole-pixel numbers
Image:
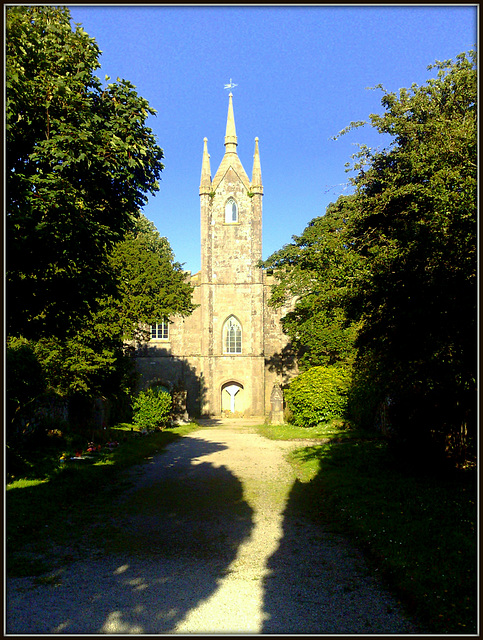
[{"x": 227, "y": 357}]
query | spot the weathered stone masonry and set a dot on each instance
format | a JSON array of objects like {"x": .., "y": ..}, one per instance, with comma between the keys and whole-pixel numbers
[{"x": 233, "y": 374}]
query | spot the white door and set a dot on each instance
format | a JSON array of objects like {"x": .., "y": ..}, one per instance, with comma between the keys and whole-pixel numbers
[{"x": 232, "y": 398}]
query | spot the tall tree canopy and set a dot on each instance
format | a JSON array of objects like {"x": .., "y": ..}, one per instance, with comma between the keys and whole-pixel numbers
[
  {"x": 416, "y": 227},
  {"x": 152, "y": 285},
  {"x": 84, "y": 267},
  {"x": 398, "y": 259},
  {"x": 318, "y": 269},
  {"x": 80, "y": 163}
]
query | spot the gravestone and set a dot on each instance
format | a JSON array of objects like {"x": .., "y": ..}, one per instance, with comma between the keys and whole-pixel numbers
[
  {"x": 179, "y": 410},
  {"x": 276, "y": 403}
]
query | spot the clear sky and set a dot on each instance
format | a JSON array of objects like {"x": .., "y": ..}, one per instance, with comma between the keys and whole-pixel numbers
[{"x": 304, "y": 72}]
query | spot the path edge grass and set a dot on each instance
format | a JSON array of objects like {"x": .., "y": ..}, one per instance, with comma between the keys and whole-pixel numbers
[{"x": 417, "y": 529}]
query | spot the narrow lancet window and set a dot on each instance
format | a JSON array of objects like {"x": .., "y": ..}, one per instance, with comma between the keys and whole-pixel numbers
[{"x": 231, "y": 212}]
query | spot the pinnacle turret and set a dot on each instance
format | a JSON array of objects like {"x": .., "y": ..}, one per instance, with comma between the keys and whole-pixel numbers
[
  {"x": 256, "y": 185},
  {"x": 205, "y": 184},
  {"x": 230, "y": 159}
]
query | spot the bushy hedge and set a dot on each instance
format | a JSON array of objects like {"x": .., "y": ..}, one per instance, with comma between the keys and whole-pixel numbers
[
  {"x": 318, "y": 395},
  {"x": 152, "y": 409}
]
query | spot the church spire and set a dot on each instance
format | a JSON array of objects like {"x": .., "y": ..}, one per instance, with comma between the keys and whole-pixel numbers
[
  {"x": 230, "y": 159},
  {"x": 230, "y": 135},
  {"x": 205, "y": 184},
  {"x": 256, "y": 185}
]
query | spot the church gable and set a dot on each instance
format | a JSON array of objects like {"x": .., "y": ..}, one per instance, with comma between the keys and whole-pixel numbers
[{"x": 232, "y": 172}]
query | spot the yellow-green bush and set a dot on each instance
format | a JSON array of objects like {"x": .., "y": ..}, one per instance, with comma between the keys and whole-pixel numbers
[
  {"x": 152, "y": 409},
  {"x": 318, "y": 395}
]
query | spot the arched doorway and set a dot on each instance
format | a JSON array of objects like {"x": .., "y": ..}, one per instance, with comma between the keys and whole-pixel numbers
[{"x": 232, "y": 399}]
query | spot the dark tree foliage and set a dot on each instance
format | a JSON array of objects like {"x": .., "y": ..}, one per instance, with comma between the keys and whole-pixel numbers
[
  {"x": 395, "y": 266},
  {"x": 25, "y": 382},
  {"x": 80, "y": 162},
  {"x": 416, "y": 227},
  {"x": 318, "y": 270}
]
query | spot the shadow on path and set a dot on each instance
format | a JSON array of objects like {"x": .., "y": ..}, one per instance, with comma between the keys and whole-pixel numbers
[
  {"x": 318, "y": 584},
  {"x": 174, "y": 535}
]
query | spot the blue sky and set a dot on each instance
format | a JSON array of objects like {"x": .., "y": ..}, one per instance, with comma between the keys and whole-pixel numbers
[{"x": 303, "y": 74}]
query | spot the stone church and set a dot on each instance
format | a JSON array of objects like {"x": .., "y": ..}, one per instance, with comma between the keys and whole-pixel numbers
[{"x": 230, "y": 356}]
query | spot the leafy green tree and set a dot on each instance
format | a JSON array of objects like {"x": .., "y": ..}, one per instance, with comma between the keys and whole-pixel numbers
[
  {"x": 317, "y": 270},
  {"x": 395, "y": 266},
  {"x": 83, "y": 266},
  {"x": 95, "y": 362},
  {"x": 80, "y": 163},
  {"x": 151, "y": 283},
  {"x": 416, "y": 228}
]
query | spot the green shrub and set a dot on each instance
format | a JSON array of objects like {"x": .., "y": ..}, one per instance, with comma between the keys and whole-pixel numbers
[
  {"x": 318, "y": 395},
  {"x": 152, "y": 409}
]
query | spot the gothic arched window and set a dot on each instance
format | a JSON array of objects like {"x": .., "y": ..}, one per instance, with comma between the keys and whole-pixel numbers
[
  {"x": 231, "y": 212},
  {"x": 232, "y": 335}
]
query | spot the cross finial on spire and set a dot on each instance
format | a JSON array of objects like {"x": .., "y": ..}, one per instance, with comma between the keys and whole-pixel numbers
[
  {"x": 230, "y": 135},
  {"x": 230, "y": 85}
]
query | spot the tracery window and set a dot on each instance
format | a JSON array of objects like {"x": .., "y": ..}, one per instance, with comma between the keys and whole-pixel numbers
[
  {"x": 232, "y": 335},
  {"x": 231, "y": 212},
  {"x": 160, "y": 331}
]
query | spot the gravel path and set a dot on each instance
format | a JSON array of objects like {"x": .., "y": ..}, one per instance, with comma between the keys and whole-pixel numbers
[{"x": 206, "y": 545}]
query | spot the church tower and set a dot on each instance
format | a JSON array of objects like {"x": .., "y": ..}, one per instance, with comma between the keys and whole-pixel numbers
[
  {"x": 231, "y": 283},
  {"x": 229, "y": 357}
]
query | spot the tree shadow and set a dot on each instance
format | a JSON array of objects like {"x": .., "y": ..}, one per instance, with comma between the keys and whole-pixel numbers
[
  {"x": 158, "y": 365},
  {"x": 283, "y": 363},
  {"x": 169, "y": 545},
  {"x": 318, "y": 583},
  {"x": 210, "y": 422}
]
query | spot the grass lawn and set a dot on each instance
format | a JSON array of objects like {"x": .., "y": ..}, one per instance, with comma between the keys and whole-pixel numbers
[
  {"x": 55, "y": 510},
  {"x": 419, "y": 530}
]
